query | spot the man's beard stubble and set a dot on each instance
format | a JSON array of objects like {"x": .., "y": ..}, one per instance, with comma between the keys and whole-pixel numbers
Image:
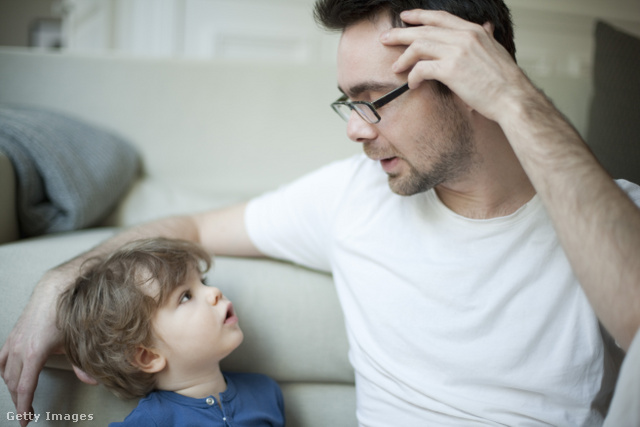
[{"x": 449, "y": 162}]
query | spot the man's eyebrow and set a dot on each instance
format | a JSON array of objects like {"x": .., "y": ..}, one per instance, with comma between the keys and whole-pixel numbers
[{"x": 360, "y": 88}]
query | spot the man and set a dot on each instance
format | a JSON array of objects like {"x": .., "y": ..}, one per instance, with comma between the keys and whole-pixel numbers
[{"x": 470, "y": 247}]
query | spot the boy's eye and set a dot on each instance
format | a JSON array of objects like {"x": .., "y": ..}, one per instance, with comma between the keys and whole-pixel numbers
[{"x": 185, "y": 297}]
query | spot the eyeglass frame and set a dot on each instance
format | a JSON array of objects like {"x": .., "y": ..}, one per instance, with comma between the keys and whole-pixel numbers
[{"x": 373, "y": 106}]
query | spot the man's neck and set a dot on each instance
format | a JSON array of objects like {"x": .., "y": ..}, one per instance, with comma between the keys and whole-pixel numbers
[
  {"x": 481, "y": 204},
  {"x": 495, "y": 186}
]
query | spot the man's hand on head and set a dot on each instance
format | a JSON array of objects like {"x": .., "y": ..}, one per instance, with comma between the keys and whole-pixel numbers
[{"x": 462, "y": 55}]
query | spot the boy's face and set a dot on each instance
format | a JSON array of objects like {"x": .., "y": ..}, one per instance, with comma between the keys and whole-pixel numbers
[{"x": 195, "y": 328}]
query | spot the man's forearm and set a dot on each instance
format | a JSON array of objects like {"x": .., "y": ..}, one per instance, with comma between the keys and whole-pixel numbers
[{"x": 597, "y": 224}]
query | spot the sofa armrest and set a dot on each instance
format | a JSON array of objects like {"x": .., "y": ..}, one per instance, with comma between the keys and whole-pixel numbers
[{"x": 8, "y": 218}]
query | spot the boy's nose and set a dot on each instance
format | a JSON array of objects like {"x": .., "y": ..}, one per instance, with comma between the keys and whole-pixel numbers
[{"x": 214, "y": 295}]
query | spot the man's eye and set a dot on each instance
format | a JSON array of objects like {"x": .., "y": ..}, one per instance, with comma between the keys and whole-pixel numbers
[{"x": 185, "y": 297}]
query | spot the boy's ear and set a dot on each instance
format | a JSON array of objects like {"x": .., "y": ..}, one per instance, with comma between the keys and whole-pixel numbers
[{"x": 149, "y": 360}]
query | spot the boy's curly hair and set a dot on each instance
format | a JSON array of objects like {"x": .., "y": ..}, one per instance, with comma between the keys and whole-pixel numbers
[{"x": 107, "y": 314}]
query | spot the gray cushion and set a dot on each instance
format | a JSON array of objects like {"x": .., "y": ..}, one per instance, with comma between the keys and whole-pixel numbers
[
  {"x": 70, "y": 174},
  {"x": 614, "y": 119},
  {"x": 8, "y": 220}
]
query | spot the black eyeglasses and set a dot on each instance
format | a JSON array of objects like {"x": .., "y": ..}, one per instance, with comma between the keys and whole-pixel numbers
[{"x": 367, "y": 110}]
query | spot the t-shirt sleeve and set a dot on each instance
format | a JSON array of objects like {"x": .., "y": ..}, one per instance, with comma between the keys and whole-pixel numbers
[
  {"x": 294, "y": 223},
  {"x": 632, "y": 190}
]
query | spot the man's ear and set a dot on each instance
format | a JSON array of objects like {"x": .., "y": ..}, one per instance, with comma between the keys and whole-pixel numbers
[
  {"x": 149, "y": 360},
  {"x": 489, "y": 27}
]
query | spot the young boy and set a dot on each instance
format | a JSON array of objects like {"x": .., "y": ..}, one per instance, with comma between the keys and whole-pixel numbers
[{"x": 142, "y": 322}]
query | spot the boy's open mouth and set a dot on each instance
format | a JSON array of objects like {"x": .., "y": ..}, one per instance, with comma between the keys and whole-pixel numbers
[{"x": 231, "y": 314}]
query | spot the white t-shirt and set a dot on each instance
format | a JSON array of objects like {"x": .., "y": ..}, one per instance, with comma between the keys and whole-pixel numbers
[{"x": 451, "y": 321}]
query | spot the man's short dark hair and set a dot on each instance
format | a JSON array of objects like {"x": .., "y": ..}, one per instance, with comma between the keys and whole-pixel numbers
[{"x": 337, "y": 15}]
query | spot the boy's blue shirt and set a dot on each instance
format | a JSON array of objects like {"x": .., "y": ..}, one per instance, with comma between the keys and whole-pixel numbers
[{"x": 250, "y": 400}]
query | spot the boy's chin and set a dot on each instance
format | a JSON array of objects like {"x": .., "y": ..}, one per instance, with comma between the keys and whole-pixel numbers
[{"x": 238, "y": 338}]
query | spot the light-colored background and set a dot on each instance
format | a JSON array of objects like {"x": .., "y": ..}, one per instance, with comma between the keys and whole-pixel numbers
[
  {"x": 188, "y": 52},
  {"x": 554, "y": 37}
]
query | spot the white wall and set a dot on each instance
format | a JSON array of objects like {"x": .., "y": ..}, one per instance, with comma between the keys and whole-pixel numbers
[
  {"x": 284, "y": 29},
  {"x": 555, "y": 46}
]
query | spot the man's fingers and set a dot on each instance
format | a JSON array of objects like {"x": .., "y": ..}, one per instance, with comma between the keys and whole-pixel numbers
[
  {"x": 4, "y": 354},
  {"x": 11, "y": 376},
  {"x": 27, "y": 387},
  {"x": 429, "y": 43},
  {"x": 21, "y": 366},
  {"x": 424, "y": 70},
  {"x": 407, "y": 36},
  {"x": 423, "y": 44},
  {"x": 420, "y": 50},
  {"x": 435, "y": 18},
  {"x": 28, "y": 381}
]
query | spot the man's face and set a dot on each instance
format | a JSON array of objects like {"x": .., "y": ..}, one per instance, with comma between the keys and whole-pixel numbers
[{"x": 424, "y": 138}]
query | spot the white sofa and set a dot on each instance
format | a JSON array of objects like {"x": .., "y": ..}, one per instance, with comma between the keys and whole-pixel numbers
[{"x": 209, "y": 134}]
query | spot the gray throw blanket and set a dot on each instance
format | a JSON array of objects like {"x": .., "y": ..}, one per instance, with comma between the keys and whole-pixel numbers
[{"x": 70, "y": 174}]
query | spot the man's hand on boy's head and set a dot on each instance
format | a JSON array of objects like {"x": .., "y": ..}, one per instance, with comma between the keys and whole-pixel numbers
[{"x": 462, "y": 55}]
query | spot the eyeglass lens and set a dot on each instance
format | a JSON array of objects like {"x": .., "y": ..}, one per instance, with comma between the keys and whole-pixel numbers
[{"x": 363, "y": 111}]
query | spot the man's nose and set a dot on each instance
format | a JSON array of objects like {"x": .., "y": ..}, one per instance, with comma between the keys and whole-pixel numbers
[{"x": 359, "y": 130}]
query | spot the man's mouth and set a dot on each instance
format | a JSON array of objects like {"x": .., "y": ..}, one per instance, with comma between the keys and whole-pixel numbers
[{"x": 389, "y": 163}]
